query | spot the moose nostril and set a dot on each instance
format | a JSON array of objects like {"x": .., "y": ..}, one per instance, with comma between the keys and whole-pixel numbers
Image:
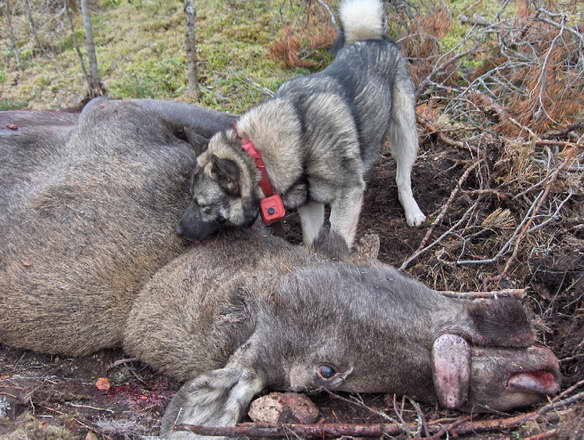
[{"x": 179, "y": 230}]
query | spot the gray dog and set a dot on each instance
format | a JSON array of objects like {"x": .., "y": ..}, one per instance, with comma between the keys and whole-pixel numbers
[{"x": 313, "y": 143}]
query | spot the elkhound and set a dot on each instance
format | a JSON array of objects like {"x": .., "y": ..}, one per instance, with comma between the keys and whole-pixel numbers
[{"x": 314, "y": 141}]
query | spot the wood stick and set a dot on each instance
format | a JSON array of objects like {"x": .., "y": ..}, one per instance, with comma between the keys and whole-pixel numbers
[
  {"x": 441, "y": 215},
  {"x": 504, "y": 293},
  {"x": 446, "y": 139},
  {"x": 544, "y": 435},
  {"x": 329, "y": 430}
]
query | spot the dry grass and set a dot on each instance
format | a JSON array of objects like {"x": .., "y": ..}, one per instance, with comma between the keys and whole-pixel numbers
[{"x": 297, "y": 42}]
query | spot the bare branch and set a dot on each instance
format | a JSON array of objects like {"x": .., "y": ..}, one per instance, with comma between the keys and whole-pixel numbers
[
  {"x": 439, "y": 67},
  {"x": 421, "y": 249},
  {"x": 494, "y": 294},
  {"x": 564, "y": 132},
  {"x": 331, "y": 430},
  {"x": 538, "y": 17},
  {"x": 446, "y": 139}
]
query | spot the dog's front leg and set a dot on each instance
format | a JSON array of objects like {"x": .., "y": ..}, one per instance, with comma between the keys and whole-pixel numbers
[
  {"x": 311, "y": 218},
  {"x": 345, "y": 211}
]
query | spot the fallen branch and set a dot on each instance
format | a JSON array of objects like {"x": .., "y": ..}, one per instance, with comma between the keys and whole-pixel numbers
[
  {"x": 446, "y": 429},
  {"x": 563, "y": 133},
  {"x": 505, "y": 293},
  {"x": 525, "y": 226},
  {"x": 439, "y": 239},
  {"x": 543, "y": 142},
  {"x": 475, "y": 20},
  {"x": 438, "y": 219},
  {"x": 330, "y": 430},
  {"x": 446, "y": 139},
  {"x": 563, "y": 18},
  {"x": 439, "y": 67},
  {"x": 538, "y": 204},
  {"x": 314, "y": 430},
  {"x": 499, "y": 194},
  {"x": 490, "y": 104},
  {"x": 544, "y": 435}
]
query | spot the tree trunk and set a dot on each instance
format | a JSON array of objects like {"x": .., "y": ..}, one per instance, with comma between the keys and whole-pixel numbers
[
  {"x": 95, "y": 86},
  {"x": 191, "y": 48},
  {"x": 70, "y": 9},
  {"x": 12, "y": 35},
  {"x": 32, "y": 25}
]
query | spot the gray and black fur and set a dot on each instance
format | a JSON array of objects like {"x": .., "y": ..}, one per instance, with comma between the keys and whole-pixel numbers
[{"x": 319, "y": 136}]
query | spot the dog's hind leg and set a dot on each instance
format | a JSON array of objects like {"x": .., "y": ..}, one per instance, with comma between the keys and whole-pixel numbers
[
  {"x": 345, "y": 210},
  {"x": 311, "y": 219},
  {"x": 404, "y": 143}
]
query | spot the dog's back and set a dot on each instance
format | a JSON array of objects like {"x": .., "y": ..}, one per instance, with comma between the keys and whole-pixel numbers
[
  {"x": 362, "y": 74},
  {"x": 373, "y": 80}
]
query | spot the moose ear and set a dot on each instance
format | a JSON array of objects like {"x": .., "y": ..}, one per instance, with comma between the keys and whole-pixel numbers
[
  {"x": 451, "y": 370},
  {"x": 216, "y": 398},
  {"x": 227, "y": 174}
]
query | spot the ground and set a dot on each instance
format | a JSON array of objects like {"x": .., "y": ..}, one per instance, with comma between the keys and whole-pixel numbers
[{"x": 56, "y": 397}]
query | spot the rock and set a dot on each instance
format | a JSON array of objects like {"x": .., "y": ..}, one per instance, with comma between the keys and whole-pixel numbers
[{"x": 277, "y": 408}]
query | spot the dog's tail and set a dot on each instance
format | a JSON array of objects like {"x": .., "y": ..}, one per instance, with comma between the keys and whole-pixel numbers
[{"x": 362, "y": 20}]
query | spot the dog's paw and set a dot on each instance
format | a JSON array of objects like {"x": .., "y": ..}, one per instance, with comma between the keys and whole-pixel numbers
[{"x": 415, "y": 217}]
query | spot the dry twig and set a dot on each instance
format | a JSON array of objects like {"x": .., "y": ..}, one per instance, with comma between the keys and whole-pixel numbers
[
  {"x": 544, "y": 435},
  {"x": 438, "y": 219},
  {"x": 569, "y": 158},
  {"x": 494, "y": 294},
  {"x": 446, "y": 139},
  {"x": 328, "y": 430}
]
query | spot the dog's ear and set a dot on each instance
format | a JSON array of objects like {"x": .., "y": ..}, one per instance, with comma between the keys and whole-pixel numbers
[{"x": 227, "y": 173}]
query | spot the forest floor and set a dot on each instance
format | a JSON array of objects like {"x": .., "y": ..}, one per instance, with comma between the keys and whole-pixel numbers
[{"x": 500, "y": 174}]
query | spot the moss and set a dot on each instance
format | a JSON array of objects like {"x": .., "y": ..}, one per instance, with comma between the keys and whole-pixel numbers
[{"x": 9, "y": 104}]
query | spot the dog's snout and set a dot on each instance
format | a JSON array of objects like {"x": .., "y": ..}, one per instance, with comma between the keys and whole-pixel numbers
[{"x": 193, "y": 227}]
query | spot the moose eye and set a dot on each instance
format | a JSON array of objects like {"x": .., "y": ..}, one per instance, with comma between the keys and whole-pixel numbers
[{"x": 326, "y": 371}]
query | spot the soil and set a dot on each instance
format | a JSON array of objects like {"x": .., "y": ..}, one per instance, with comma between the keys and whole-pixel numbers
[{"x": 56, "y": 397}]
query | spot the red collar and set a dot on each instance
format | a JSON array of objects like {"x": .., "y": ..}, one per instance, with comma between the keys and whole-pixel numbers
[
  {"x": 271, "y": 206},
  {"x": 265, "y": 183}
]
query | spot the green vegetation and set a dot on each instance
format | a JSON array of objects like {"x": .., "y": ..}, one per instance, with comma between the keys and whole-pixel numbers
[
  {"x": 140, "y": 49},
  {"x": 9, "y": 104}
]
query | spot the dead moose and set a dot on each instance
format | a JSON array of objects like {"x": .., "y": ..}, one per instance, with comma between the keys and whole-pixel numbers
[{"x": 89, "y": 259}]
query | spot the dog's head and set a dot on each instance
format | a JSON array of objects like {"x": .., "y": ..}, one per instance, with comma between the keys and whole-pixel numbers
[{"x": 222, "y": 189}]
